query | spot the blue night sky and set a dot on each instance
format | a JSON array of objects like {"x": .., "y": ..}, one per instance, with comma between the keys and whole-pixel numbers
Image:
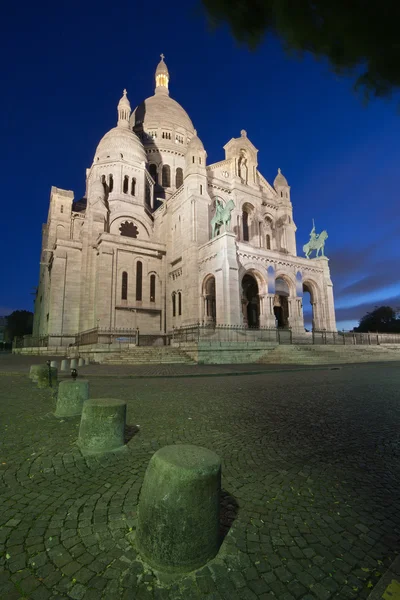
[{"x": 63, "y": 72}]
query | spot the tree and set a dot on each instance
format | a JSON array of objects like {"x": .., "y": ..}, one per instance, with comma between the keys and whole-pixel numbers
[
  {"x": 382, "y": 319},
  {"x": 19, "y": 323},
  {"x": 357, "y": 37}
]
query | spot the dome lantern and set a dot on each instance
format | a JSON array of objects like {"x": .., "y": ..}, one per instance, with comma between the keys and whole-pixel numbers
[
  {"x": 280, "y": 180},
  {"x": 162, "y": 77},
  {"x": 124, "y": 111}
]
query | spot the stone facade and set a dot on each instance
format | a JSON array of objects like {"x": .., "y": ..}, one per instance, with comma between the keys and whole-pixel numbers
[{"x": 138, "y": 252}]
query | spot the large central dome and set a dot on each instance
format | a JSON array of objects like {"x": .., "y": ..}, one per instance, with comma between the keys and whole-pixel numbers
[
  {"x": 160, "y": 117},
  {"x": 161, "y": 111}
]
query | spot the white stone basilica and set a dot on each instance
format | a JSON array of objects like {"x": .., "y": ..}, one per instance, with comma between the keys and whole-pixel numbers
[{"x": 138, "y": 251}]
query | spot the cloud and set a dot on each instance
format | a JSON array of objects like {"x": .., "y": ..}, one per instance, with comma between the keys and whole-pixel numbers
[
  {"x": 377, "y": 281},
  {"x": 347, "y": 263},
  {"x": 354, "y": 313}
]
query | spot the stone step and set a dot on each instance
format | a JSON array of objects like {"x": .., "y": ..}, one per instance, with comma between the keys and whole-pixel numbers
[{"x": 147, "y": 356}]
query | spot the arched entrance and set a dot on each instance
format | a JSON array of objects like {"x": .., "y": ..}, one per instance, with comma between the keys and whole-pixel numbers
[
  {"x": 250, "y": 301},
  {"x": 281, "y": 305},
  {"x": 209, "y": 310},
  {"x": 310, "y": 307}
]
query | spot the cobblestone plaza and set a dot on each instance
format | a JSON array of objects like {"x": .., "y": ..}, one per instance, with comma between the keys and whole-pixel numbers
[{"x": 310, "y": 476}]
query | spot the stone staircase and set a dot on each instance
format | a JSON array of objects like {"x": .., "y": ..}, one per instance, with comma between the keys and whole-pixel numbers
[
  {"x": 318, "y": 354},
  {"x": 147, "y": 355}
]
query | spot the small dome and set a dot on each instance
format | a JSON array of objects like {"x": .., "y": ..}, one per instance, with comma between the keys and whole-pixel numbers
[
  {"x": 162, "y": 68},
  {"x": 120, "y": 144},
  {"x": 280, "y": 180},
  {"x": 195, "y": 144},
  {"x": 97, "y": 189},
  {"x": 124, "y": 102}
]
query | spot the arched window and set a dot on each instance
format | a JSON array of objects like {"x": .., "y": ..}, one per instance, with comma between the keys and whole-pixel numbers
[
  {"x": 193, "y": 159},
  {"x": 153, "y": 172},
  {"x": 166, "y": 176},
  {"x": 201, "y": 190},
  {"x": 124, "y": 290},
  {"x": 178, "y": 177},
  {"x": 152, "y": 288},
  {"x": 199, "y": 160},
  {"x": 174, "y": 304},
  {"x": 103, "y": 181},
  {"x": 268, "y": 241},
  {"x": 179, "y": 303},
  {"x": 139, "y": 271},
  {"x": 110, "y": 183},
  {"x": 126, "y": 184},
  {"x": 133, "y": 186},
  {"x": 245, "y": 224},
  {"x": 62, "y": 208}
]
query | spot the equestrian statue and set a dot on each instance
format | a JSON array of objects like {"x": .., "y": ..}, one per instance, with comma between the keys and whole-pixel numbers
[
  {"x": 317, "y": 242},
  {"x": 222, "y": 216}
]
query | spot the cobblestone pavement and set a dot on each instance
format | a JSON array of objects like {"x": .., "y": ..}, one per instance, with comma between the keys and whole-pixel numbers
[{"x": 310, "y": 477}]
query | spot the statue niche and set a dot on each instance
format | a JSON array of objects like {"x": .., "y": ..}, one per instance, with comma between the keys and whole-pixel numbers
[{"x": 243, "y": 170}]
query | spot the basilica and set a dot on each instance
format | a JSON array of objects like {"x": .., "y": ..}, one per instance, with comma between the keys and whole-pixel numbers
[{"x": 163, "y": 240}]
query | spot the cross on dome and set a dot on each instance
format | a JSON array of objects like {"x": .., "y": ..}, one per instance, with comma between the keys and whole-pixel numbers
[{"x": 162, "y": 56}]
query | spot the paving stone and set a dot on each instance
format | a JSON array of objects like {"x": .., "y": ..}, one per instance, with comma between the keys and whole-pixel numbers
[
  {"x": 77, "y": 592},
  {"x": 83, "y": 575},
  {"x": 321, "y": 592},
  {"x": 296, "y": 589}
]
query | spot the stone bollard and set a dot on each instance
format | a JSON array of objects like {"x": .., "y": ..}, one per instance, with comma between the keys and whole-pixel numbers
[
  {"x": 73, "y": 364},
  {"x": 178, "y": 513},
  {"x": 54, "y": 364},
  {"x": 71, "y": 396},
  {"x": 46, "y": 379},
  {"x": 102, "y": 426},
  {"x": 64, "y": 364},
  {"x": 34, "y": 371},
  {"x": 81, "y": 362}
]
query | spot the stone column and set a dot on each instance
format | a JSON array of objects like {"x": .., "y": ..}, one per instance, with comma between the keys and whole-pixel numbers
[
  {"x": 263, "y": 313},
  {"x": 329, "y": 319},
  {"x": 296, "y": 321},
  {"x": 227, "y": 280},
  {"x": 269, "y": 311}
]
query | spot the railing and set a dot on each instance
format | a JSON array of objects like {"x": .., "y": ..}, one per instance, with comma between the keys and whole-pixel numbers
[
  {"x": 107, "y": 336},
  {"x": 43, "y": 341},
  {"x": 354, "y": 338},
  {"x": 90, "y": 336},
  {"x": 232, "y": 333},
  {"x": 226, "y": 333},
  {"x": 207, "y": 332}
]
